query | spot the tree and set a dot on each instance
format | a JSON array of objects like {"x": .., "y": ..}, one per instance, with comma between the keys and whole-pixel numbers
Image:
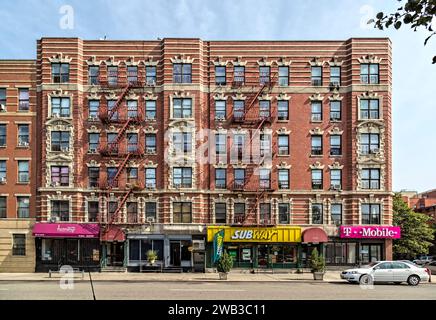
[
  {"x": 225, "y": 263},
  {"x": 317, "y": 262},
  {"x": 416, "y": 13},
  {"x": 416, "y": 232}
]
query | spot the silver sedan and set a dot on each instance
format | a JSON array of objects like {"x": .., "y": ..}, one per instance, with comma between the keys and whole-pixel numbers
[{"x": 387, "y": 271}]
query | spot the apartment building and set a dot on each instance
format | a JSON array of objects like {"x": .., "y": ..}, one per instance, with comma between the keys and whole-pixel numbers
[
  {"x": 17, "y": 165},
  {"x": 284, "y": 145}
]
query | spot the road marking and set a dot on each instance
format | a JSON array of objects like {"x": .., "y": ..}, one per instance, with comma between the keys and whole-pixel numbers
[{"x": 202, "y": 290}]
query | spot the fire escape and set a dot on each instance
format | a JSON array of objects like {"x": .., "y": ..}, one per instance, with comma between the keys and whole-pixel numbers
[
  {"x": 119, "y": 149},
  {"x": 257, "y": 119}
]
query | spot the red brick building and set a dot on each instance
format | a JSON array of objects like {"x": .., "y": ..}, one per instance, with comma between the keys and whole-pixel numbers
[
  {"x": 17, "y": 165},
  {"x": 149, "y": 144}
]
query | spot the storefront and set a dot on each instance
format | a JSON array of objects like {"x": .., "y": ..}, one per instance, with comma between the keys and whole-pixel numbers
[
  {"x": 60, "y": 244},
  {"x": 114, "y": 246},
  {"x": 254, "y": 247},
  {"x": 361, "y": 245},
  {"x": 312, "y": 238}
]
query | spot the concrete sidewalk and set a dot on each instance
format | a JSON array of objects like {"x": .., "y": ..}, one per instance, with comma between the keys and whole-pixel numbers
[{"x": 173, "y": 277}]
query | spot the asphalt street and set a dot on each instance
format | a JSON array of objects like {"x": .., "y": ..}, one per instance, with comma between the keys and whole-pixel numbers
[{"x": 107, "y": 290}]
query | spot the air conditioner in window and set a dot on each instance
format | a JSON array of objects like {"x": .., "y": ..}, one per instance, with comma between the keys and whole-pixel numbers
[
  {"x": 177, "y": 185},
  {"x": 2, "y": 107},
  {"x": 94, "y": 118},
  {"x": 23, "y": 143},
  {"x": 151, "y": 219},
  {"x": 150, "y": 150},
  {"x": 65, "y": 149},
  {"x": 92, "y": 150},
  {"x": 2, "y": 180},
  {"x": 54, "y": 219},
  {"x": 150, "y": 186},
  {"x": 55, "y": 184},
  {"x": 374, "y": 151},
  {"x": 55, "y": 115},
  {"x": 336, "y": 187},
  {"x": 220, "y": 118},
  {"x": 198, "y": 244},
  {"x": 151, "y": 83}
]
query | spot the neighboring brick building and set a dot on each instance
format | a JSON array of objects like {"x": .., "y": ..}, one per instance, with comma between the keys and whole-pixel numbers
[
  {"x": 17, "y": 165},
  {"x": 317, "y": 115}
]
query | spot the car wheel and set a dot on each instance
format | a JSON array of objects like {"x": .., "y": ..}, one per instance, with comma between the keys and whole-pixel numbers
[
  {"x": 365, "y": 279},
  {"x": 413, "y": 280}
]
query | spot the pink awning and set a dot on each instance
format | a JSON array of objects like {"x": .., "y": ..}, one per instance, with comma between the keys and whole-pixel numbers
[{"x": 66, "y": 230}]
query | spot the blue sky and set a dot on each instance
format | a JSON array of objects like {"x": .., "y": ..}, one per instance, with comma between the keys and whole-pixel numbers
[{"x": 414, "y": 106}]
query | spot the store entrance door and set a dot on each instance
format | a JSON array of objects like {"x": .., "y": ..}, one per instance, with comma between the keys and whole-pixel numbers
[
  {"x": 263, "y": 256},
  {"x": 175, "y": 254},
  {"x": 72, "y": 251},
  {"x": 115, "y": 253}
]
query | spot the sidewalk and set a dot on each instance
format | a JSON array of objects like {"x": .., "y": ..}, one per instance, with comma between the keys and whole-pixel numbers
[{"x": 173, "y": 277}]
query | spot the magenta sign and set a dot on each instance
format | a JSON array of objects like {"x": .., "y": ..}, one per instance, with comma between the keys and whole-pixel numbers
[
  {"x": 370, "y": 232},
  {"x": 66, "y": 230}
]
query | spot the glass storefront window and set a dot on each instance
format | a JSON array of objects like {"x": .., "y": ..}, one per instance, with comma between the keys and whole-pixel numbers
[
  {"x": 340, "y": 253},
  {"x": 370, "y": 253}
]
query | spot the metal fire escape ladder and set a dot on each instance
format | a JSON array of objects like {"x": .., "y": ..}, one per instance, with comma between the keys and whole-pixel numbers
[{"x": 119, "y": 100}]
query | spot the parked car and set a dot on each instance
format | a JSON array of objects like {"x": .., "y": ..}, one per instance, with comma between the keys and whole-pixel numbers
[
  {"x": 387, "y": 271},
  {"x": 431, "y": 266},
  {"x": 421, "y": 260}
]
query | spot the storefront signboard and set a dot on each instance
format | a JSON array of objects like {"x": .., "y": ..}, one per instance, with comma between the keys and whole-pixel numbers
[
  {"x": 263, "y": 235},
  {"x": 370, "y": 232},
  {"x": 66, "y": 230}
]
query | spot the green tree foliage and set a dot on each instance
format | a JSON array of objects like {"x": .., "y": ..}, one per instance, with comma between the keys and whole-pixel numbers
[
  {"x": 225, "y": 263},
  {"x": 416, "y": 231},
  {"x": 317, "y": 262},
  {"x": 416, "y": 13}
]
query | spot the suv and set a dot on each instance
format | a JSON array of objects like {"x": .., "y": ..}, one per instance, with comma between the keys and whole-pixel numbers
[{"x": 421, "y": 260}]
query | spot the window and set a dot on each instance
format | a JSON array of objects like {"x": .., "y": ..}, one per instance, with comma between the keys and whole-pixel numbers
[
  {"x": 283, "y": 178},
  {"x": 23, "y": 135},
  {"x": 111, "y": 142},
  {"x": 238, "y": 109},
  {"x": 284, "y": 213},
  {"x": 60, "y": 175},
  {"x": 93, "y": 211},
  {"x": 23, "y": 96},
  {"x": 369, "y": 143},
  {"x": 220, "y": 109},
  {"x": 369, "y": 73},
  {"x": 93, "y": 177},
  {"x": 283, "y": 110},
  {"x": 112, "y": 207},
  {"x": 132, "y": 176},
  {"x": 283, "y": 76},
  {"x": 93, "y": 105},
  {"x": 336, "y": 214},
  {"x": 316, "y": 145},
  {"x": 316, "y": 179},
  {"x": 283, "y": 144},
  {"x": 264, "y": 178},
  {"x": 182, "y": 177},
  {"x": 112, "y": 75},
  {"x": 60, "y": 107},
  {"x": 335, "y": 110},
  {"x": 316, "y": 110},
  {"x": 132, "y": 212},
  {"x": 23, "y": 207},
  {"x": 150, "y": 178},
  {"x": 3, "y": 97},
  {"x": 3, "y": 135},
  {"x": 220, "y": 178},
  {"x": 19, "y": 245},
  {"x": 221, "y": 144},
  {"x": 316, "y": 76},
  {"x": 264, "y": 109},
  {"x": 132, "y": 109},
  {"x": 60, "y": 210},
  {"x": 150, "y": 109},
  {"x": 265, "y": 213},
  {"x": 220, "y": 75},
  {"x": 132, "y": 142},
  {"x": 371, "y": 214},
  {"x": 239, "y": 143},
  {"x": 93, "y": 75},
  {"x": 182, "y": 212},
  {"x": 112, "y": 105},
  {"x": 239, "y": 178},
  {"x": 335, "y": 145},
  {"x": 60, "y": 72},
  {"x": 182, "y": 73},
  {"x": 182, "y": 108},
  {"x": 264, "y": 75},
  {"x": 239, "y": 74},
  {"x": 150, "y": 210},
  {"x": 317, "y": 214},
  {"x": 182, "y": 142},
  {"x": 23, "y": 171},
  {"x": 150, "y": 73},
  {"x": 335, "y": 76},
  {"x": 3, "y": 170},
  {"x": 150, "y": 143},
  {"x": 265, "y": 144},
  {"x": 132, "y": 74},
  {"x": 93, "y": 139},
  {"x": 111, "y": 173},
  {"x": 369, "y": 109},
  {"x": 3, "y": 207},
  {"x": 239, "y": 211},
  {"x": 60, "y": 141},
  {"x": 370, "y": 178},
  {"x": 220, "y": 213},
  {"x": 335, "y": 179}
]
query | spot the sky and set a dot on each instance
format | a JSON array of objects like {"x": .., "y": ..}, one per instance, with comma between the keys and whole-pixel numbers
[{"x": 22, "y": 22}]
